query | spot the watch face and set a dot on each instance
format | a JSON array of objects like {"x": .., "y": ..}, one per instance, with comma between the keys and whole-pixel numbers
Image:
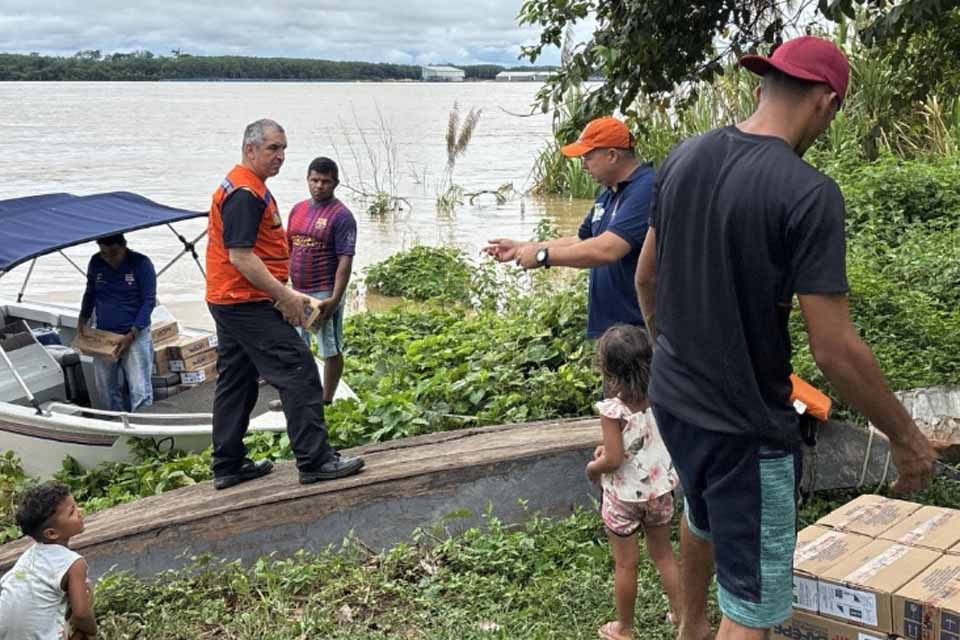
[{"x": 541, "y": 255}]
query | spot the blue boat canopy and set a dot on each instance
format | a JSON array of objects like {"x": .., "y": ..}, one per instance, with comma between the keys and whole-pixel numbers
[{"x": 37, "y": 225}]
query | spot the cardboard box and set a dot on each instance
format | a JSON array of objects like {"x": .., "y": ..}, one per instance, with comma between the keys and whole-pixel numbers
[
  {"x": 859, "y": 590},
  {"x": 209, "y": 372},
  {"x": 195, "y": 362},
  {"x": 818, "y": 549},
  {"x": 161, "y": 357},
  {"x": 187, "y": 345},
  {"x": 163, "y": 331},
  {"x": 931, "y": 527},
  {"x": 869, "y": 515},
  {"x": 99, "y": 344},
  {"x": 929, "y": 606},
  {"x": 805, "y": 626}
]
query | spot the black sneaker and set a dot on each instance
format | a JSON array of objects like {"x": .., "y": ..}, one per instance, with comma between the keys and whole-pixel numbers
[
  {"x": 336, "y": 467},
  {"x": 249, "y": 471}
]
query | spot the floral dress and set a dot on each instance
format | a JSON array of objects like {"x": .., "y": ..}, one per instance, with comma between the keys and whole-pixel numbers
[
  {"x": 647, "y": 471},
  {"x": 639, "y": 493}
]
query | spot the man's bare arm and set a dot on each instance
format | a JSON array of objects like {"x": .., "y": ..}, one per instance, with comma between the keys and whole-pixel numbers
[
  {"x": 593, "y": 252},
  {"x": 645, "y": 280},
  {"x": 852, "y": 369}
]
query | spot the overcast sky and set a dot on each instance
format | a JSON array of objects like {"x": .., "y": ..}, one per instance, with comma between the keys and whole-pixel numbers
[{"x": 401, "y": 31}]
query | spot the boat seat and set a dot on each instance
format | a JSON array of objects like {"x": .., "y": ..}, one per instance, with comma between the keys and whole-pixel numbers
[{"x": 47, "y": 313}]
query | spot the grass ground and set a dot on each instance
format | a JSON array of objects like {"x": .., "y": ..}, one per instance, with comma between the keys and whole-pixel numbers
[{"x": 550, "y": 578}]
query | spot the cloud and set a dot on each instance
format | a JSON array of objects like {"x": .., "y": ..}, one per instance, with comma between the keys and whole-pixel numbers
[{"x": 415, "y": 31}]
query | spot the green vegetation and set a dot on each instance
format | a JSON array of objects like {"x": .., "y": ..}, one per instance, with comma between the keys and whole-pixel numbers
[
  {"x": 422, "y": 273},
  {"x": 651, "y": 48},
  {"x": 903, "y": 220},
  {"x": 548, "y": 578},
  {"x": 145, "y": 65},
  {"x": 469, "y": 358}
]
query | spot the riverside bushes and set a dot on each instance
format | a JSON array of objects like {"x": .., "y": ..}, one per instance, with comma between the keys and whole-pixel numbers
[
  {"x": 547, "y": 578},
  {"x": 422, "y": 273}
]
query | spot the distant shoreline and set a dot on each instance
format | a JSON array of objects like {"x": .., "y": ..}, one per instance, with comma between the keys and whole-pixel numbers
[{"x": 144, "y": 66}]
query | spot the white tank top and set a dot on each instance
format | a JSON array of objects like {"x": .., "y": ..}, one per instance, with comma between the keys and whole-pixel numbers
[{"x": 33, "y": 606}]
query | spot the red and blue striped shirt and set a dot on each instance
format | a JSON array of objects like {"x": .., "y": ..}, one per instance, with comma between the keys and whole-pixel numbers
[{"x": 317, "y": 235}]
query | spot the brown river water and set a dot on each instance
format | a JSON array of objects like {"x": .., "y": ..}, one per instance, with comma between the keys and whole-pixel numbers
[{"x": 173, "y": 142}]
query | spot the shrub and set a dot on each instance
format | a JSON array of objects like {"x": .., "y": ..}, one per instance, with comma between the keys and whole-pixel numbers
[
  {"x": 422, "y": 273},
  {"x": 887, "y": 197}
]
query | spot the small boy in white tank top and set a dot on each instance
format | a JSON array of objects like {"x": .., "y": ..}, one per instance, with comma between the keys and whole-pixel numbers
[{"x": 49, "y": 576}]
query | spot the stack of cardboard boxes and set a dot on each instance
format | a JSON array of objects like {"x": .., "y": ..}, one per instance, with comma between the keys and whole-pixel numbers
[
  {"x": 875, "y": 569},
  {"x": 182, "y": 361}
]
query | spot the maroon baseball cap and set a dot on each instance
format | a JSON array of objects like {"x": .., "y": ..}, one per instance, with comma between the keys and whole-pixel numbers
[{"x": 807, "y": 58}]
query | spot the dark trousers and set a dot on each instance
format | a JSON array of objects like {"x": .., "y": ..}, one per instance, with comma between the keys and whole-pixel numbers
[{"x": 255, "y": 341}]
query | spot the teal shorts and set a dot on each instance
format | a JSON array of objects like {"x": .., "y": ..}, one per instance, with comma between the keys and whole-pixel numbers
[
  {"x": 741, "y": 495},
  {"x": 329, "y": 339}
]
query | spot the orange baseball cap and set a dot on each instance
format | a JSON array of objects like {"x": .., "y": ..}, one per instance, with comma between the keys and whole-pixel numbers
[{"x": 602, "y": 133}]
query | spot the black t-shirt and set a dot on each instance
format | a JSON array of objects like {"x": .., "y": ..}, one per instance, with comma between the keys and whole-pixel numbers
[
  {"x": 242, "y": 213},
  {"x": 742, "y": 224}
]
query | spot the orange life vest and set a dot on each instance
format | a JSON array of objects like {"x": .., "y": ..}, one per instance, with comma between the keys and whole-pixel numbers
[{"x": 225, "y": 283}]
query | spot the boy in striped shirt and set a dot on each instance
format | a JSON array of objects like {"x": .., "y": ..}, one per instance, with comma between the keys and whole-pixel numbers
[{"x": 322, "y": 235}]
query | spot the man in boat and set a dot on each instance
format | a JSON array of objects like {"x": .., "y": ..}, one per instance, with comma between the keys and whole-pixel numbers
[
  {"x": 322, "y": 238},
  {"x": 255, "y": 313},
  {"x": 122, "y": 289},
  {"x": 740, "y": 224},
  {"x": 610, "y": 236}
]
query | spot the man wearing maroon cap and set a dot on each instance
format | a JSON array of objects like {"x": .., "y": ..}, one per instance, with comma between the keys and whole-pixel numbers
[
  {"x": 739, "y": 225},
  {"x": 609, "y": 239}
]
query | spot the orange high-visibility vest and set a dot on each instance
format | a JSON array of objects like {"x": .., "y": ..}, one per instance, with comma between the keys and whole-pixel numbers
[{"x": 225, "y": 283}]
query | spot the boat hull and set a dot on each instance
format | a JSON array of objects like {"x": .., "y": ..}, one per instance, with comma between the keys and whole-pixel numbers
[{"x": 43, "y": 442}]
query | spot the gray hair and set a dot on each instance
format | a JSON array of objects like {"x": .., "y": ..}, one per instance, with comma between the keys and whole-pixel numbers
[{"x": 255, "y": 131}]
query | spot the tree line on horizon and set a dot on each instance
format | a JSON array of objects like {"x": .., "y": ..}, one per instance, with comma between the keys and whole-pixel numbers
[{"x": 146, "y": 66}]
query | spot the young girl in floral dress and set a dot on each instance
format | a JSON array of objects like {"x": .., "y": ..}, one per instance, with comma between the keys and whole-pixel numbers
[{"x": 635, "y": 471}]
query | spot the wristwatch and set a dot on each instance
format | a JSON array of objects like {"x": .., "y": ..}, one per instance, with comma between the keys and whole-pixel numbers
[{"x": 543, "y": 254}]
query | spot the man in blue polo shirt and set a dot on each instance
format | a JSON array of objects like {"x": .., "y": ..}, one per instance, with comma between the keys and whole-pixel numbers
[
  {"x": 122, "y": 289},
  {"x": 612, "y": 233}
]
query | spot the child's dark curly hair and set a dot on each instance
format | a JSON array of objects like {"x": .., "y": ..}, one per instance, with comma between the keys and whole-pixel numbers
[
  {"x": 624, "y": 353},
  {"x": 37, "y": 505}
]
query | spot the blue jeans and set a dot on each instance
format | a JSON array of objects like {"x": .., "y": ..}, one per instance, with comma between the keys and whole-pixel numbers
[{"x": 134, "y": 368}]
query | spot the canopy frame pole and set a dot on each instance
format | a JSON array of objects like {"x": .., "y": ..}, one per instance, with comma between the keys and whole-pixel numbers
[
  {"x": 188, "y": 247},
  {"x": 23, "y": 385},
  {"x": 26, "y": 280},
  {"x": 75, "y": 265}
]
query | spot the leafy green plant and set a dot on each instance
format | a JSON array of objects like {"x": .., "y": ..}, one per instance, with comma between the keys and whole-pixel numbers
[
  {"x": 380, "y": 204},
  {"x": 492, "y": 581},
  {"x": 12, "y": 482},
  {"x": 422, "y": 273}
]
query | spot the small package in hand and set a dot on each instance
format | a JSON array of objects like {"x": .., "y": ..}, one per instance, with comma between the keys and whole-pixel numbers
[{"x": 311, "y": 314}]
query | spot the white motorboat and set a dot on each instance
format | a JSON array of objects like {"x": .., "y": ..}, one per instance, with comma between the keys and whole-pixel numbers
[{"x": 48, "y": 395}]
